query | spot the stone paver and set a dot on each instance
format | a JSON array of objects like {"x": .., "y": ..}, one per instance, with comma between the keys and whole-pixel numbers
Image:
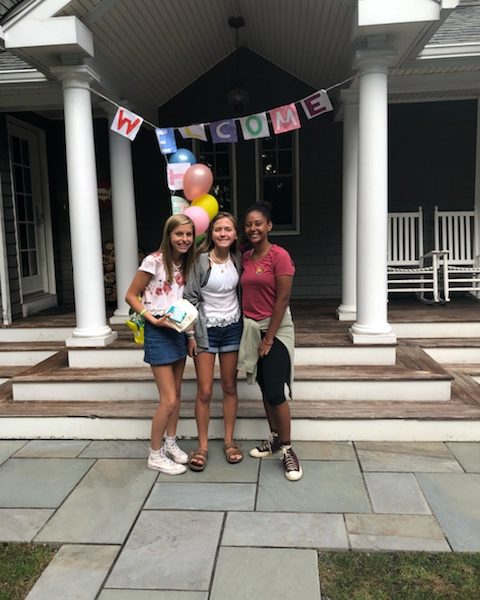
[
  {"x": 266, "y": 573},
  {"x": 396, "y": 493},
  {"x": 104, "y": 505},
  {"x": 151, "y": 595},
  {"x": 395, "y": 532},
  {"x": 320, "y": 451},
  {"x": 213, "y": 535},
  {"x": 326, "y": 486},
  {"x": 39, "y": 482},
  {"x": 202, "y": 496},
  {"x": 217, "y": 469},
  {"x": 169, "y": 550},
  {"x": 51, "y": 449},
  {"x": 406, "y": 457},
  {"x": 467, "y": 454},
  {"x": 454, "y": 499},
  {"x": 22, "y": 524},
  {"x": 9, "y": 447},
  {"x": 284, "y": 530},
  {"x": 75, "y": 572},
  {"x": 116, "y": 449}
]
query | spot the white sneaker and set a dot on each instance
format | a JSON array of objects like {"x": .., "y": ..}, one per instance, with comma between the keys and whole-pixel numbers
[
  {"x": 161, "y": 462},
  {"x": 173, "y": 451}
]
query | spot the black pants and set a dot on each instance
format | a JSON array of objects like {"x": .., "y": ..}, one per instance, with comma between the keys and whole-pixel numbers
[{"x": 273, "y": 372}]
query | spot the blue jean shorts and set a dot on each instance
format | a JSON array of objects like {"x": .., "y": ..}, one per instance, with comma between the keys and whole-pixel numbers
[
  {"x": 163, "y": 345},
  {"x": 225, "y": 339}
]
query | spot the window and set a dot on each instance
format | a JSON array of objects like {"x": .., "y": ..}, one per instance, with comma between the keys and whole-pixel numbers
[
  {"x": 221, "y": 160},
  {"x": 277, "y": 180}
]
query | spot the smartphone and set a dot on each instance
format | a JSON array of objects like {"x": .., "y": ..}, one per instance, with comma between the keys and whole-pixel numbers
[{"x": 176, "y": 314}]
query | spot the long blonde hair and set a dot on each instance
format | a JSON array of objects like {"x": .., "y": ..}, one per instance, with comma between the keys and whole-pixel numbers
[
  {"x": 166, "y": 249},
  {"x": 208, "y": 243}
]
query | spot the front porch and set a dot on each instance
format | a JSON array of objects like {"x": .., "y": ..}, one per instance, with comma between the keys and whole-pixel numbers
[{"x": 429, "y": 391}]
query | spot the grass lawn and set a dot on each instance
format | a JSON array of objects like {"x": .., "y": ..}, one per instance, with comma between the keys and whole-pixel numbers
[
  {"x": 20, "y": 566},
  {"x": 399, "y": 576}
]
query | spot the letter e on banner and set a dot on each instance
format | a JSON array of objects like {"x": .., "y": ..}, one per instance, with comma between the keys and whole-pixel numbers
[
  {"x": 316, "y": 104},
  {"x": 284, "y": 118},
  {"x": 126, "y": 123}
]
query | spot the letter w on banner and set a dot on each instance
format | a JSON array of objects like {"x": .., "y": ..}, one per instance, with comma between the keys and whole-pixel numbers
[{"x": 126, "y": 123}]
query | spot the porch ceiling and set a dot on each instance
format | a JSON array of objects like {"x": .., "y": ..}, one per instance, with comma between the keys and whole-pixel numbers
[{"x": 157, "y": 48}]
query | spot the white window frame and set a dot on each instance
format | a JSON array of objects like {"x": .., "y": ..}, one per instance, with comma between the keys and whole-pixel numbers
[{"x": 296, "y": 184}]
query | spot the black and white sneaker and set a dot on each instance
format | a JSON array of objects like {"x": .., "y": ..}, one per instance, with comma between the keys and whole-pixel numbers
[
  {"x": 267, "y": 447},
  {"x": 293, "y": 469}
]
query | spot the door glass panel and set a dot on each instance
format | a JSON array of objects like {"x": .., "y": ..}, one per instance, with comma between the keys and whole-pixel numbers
[{"x": 24, "y": 204}]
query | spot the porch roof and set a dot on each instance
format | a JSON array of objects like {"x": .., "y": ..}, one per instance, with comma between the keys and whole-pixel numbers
[{"x": 147, "y": 52}]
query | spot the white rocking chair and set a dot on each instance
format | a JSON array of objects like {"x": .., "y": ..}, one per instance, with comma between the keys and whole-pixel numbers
[
  {"x": 457, "y": 234},
  {"x": 408, "y": 268}
]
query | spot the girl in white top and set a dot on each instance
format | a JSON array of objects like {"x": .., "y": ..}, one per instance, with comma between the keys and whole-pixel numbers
[
  {"x": 158, "y": 283},
  {"x": 213, "y": 289}
]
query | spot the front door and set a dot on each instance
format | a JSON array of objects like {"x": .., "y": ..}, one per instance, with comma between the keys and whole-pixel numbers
[{"x": 31, "y": 209}]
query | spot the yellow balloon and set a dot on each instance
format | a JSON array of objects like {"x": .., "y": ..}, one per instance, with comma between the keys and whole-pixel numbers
[{"x": 208, "y": 203}]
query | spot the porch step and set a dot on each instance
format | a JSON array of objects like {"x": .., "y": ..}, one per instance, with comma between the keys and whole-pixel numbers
[
  {"x": 415, "y": 377},
  {"x": 327, "y": 350},
  {"x": 437, "y": 329},
  {"x": 18, "y": 354},
  {"x": 35, "y": 334},
  {"x": 452, "y": 351}
]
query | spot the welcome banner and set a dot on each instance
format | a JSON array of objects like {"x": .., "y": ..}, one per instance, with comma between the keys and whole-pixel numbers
[{"x": 281, "y": 119}]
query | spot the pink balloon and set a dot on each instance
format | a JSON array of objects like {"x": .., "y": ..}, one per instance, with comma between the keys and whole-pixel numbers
[
  {"x": 197, "y": 181},
  {"x": 199, "y": 217}
]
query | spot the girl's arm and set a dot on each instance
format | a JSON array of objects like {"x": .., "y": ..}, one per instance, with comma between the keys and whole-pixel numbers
[
  {"x": 283, "y": 286},
  {"x": 133, "y": 298}
]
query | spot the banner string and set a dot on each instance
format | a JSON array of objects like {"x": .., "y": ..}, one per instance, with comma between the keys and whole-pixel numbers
[{"x": 97, "y": 93}]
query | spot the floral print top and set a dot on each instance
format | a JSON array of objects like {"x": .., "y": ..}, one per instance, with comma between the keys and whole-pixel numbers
[{"x": 160, "y": 294}]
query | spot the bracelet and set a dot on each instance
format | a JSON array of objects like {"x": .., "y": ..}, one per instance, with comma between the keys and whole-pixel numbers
[
  {"x": 142, "y": 312},
  {"x": 190, "y": 334}
]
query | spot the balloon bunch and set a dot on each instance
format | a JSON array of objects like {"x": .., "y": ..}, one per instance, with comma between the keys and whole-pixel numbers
[{"x": 200, "y": 206}]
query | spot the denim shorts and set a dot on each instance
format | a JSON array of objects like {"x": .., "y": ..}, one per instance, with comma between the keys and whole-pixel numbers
[
  {"x": 225, "y": 339},
  {"x": 163, "y": 345}
]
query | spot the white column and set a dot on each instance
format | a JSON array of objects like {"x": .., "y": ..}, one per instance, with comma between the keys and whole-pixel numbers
[
  {"x": 91, "y": 325},
  {"x": 124, "y": 219},
  {"x": 347, "y": 311},
  {"x": 477, "y": 186},
  {"x": 372, "y": 326}
]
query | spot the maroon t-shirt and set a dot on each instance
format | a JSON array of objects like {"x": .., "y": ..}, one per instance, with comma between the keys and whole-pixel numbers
[{"x": 258, "y": 281}]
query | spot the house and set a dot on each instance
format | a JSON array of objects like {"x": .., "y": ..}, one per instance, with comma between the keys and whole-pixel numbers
[{"x": 404, "y": 127}]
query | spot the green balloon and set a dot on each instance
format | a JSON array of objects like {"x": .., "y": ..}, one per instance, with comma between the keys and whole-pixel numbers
[{"x": 199, "y": 239}]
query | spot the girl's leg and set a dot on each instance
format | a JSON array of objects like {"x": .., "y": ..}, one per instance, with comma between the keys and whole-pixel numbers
[
  {"x": 178, "y": 368},
  {"x": 204, "y": 365},
  {"x": 228, "y": 372},
  {"x": 169, "y": 403}
]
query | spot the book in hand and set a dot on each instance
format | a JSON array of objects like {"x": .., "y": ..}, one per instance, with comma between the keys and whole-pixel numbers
[{"x": 181, "y": 315}]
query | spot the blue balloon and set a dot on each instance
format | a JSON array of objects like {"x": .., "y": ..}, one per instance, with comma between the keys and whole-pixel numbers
[{"x": 182, "y": 155}]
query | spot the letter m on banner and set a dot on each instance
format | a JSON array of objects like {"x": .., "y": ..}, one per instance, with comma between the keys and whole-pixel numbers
[{"x": 126, "y": 123}]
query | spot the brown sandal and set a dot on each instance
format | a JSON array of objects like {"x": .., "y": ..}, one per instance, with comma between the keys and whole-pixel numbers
[
  {"x": 197, "y": 461},
  {"x": 233, "y": 454}
]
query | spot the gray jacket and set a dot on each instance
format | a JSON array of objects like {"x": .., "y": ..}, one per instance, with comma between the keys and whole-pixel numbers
[{"x": 197, "y": 280}]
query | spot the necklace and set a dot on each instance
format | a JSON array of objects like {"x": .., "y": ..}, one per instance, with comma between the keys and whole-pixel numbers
[{"x": 218, "y": 261}]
